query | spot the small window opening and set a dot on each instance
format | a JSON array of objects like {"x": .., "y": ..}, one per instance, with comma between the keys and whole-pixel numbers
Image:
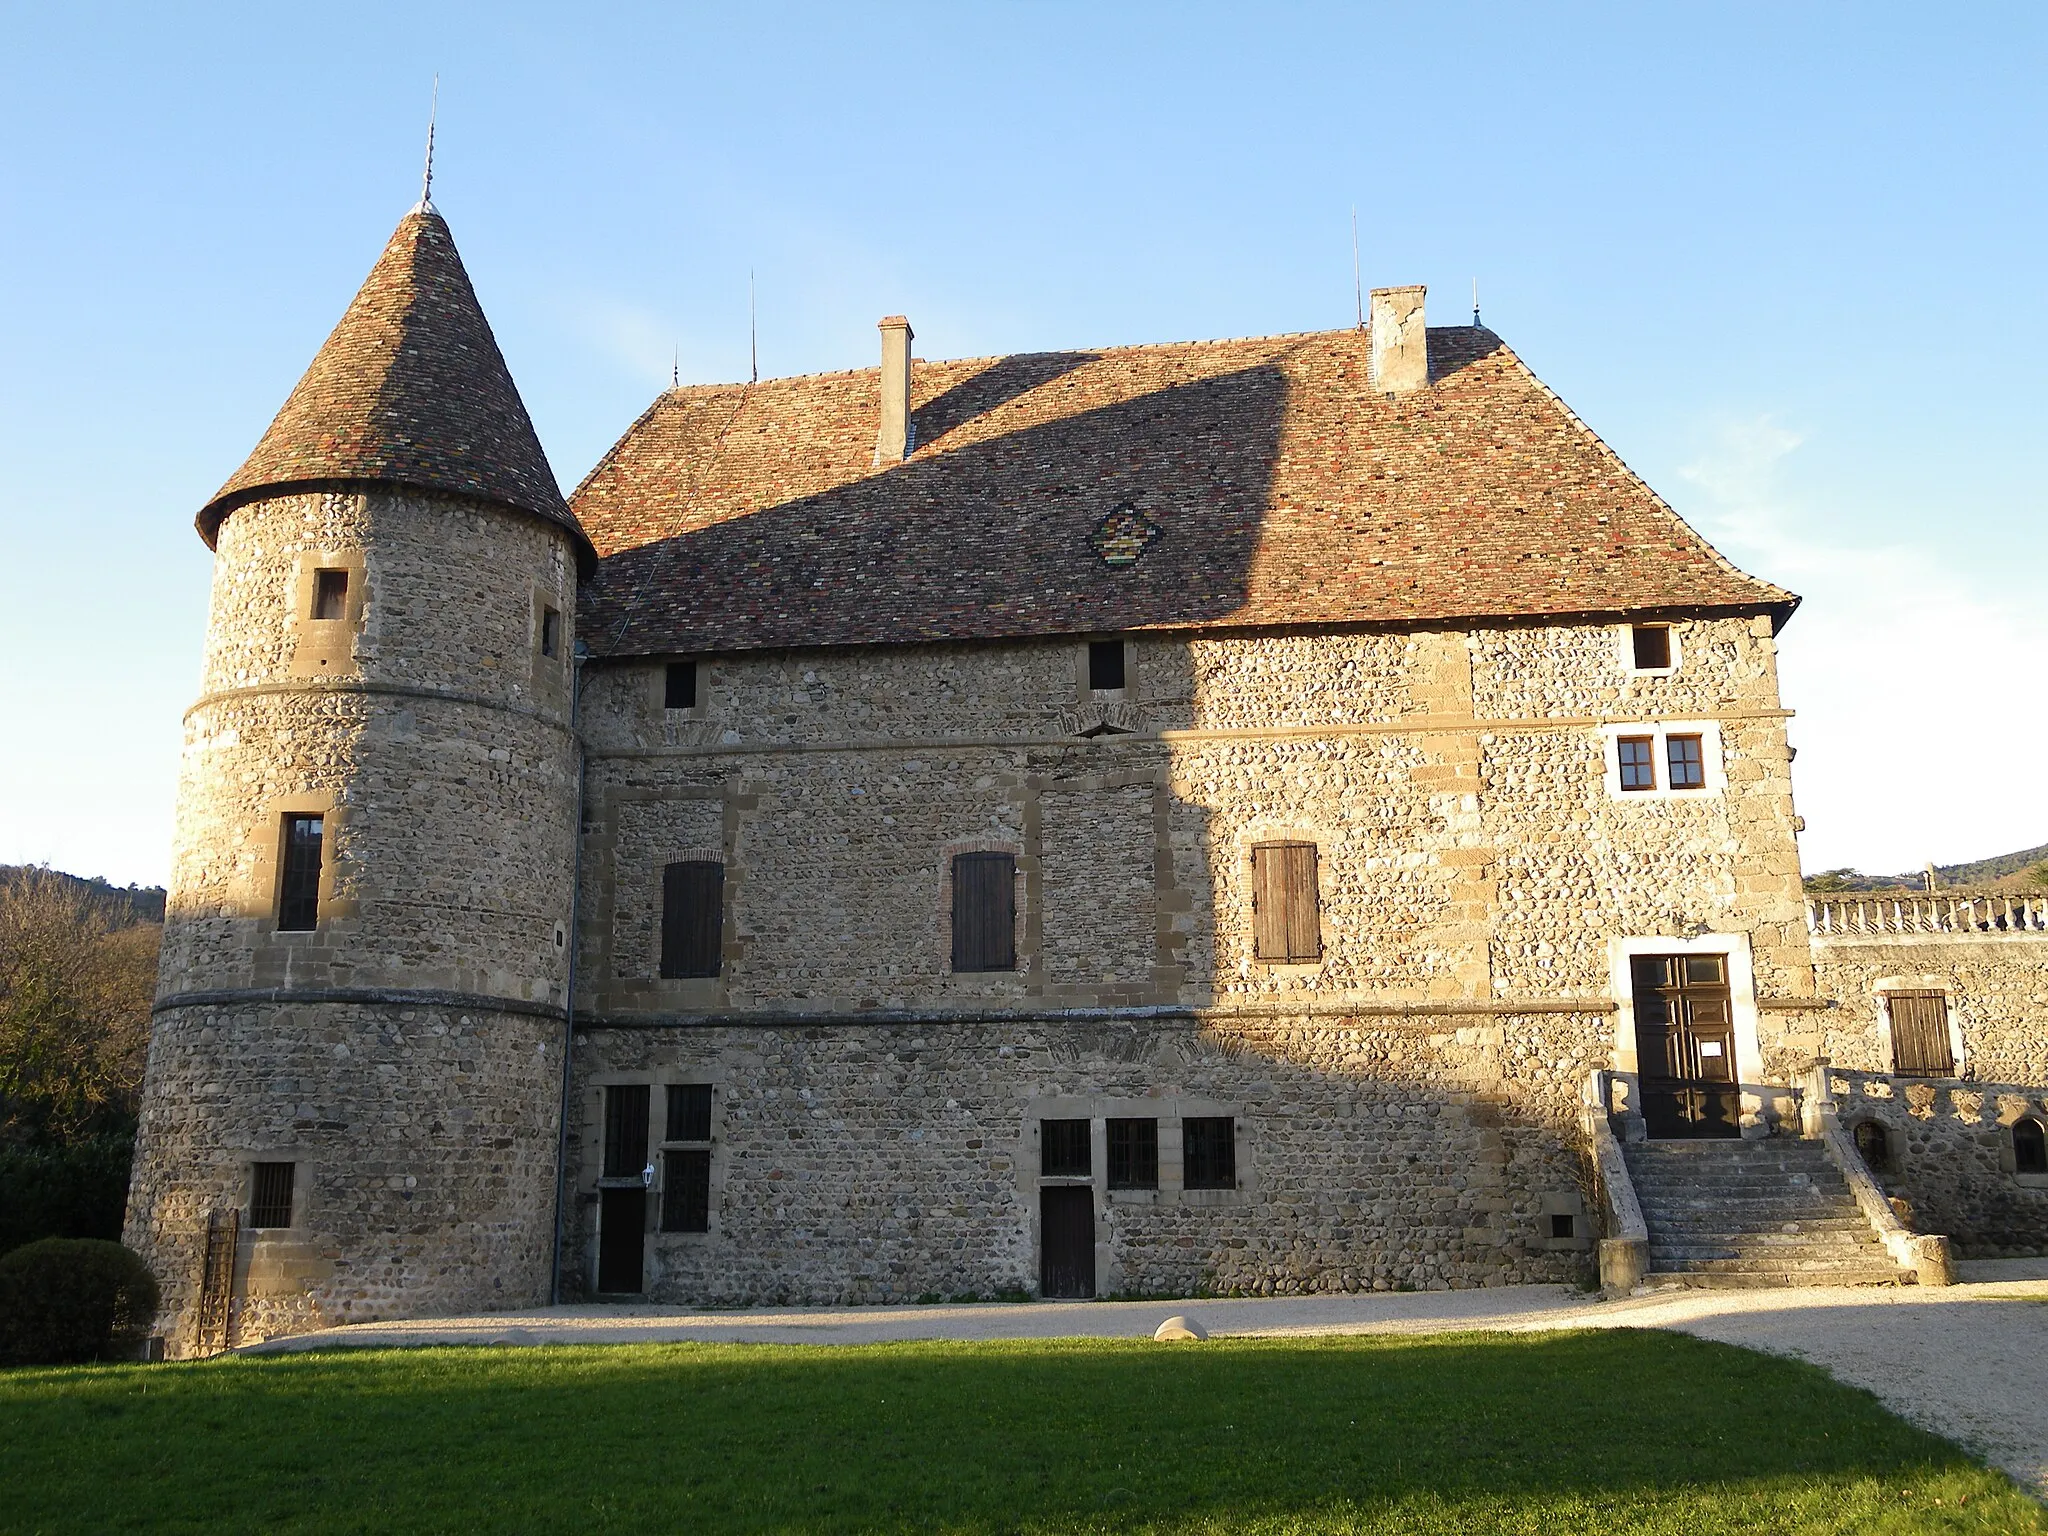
[
  {"x": 550, "y": 632},
  {"x": 1105, "y": 664},
  {"x": 692, "y": 919},
  {"x": 984, "y": 912},
  {"x": 2029, "y": 1146},
  {"x": 270, "y": 1194},
  {"x": 689, "y": 1112},
  {"x": 298, "y": 904},
  {"x": 1209, "y": 1152},
  {"x": 679, "y": 687},
  {"x": 1652, "y": 647},
  {"x": 330, "y": 594},
  {"x": 1920, "y": 1042},
  {"x": 686, "y": 1190},
  {"x": 1133, "y": 1154},
  {"x": 1287, "y": 927},
  {"x": 1063, "y": 1151},
  {"x": 625, "y": 1130},
  {"x": 1638, "y": 767},
  {"x": 1873, "y": 1146},
  {"x": 1562, "y": 1225},
  {"x": 1682, "y": 755}
]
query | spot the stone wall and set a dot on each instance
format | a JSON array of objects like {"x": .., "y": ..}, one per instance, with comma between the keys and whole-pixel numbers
[
  {"x": 1950, "y": 1140},
  {"x": 405, "y": 1053}
]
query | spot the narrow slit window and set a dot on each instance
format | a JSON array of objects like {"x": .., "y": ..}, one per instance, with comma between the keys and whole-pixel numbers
[
  {"x": 2029, "y": 1146},
  {"x": 1063, "y": 1151},
  {"x": 679, "y": 686},
  {"x": 1920, "y": 1042},
  {"x": 330, "y": 594},
  {"x": 550, "y": 632},
  {"x": 686, "y": 1190},
  {"x": 692, "y": 919},
  {"x": 1105, "y": 664},
  {"x": 298, "y": 895},
  {"x": 1638, "y": 764},
  {"x": 625, "y": 1130},
  {"x": 1686, "y": 762},
  {"x": 689, "y": 1112},
  {"x": 984, "y": 912},
  {"x": 270, "y": 1194},
  {"x": 1286, "y": 907},
  {"x": 1209, "y": 1152},
  {"x": 1133, "y": 1154},
  {"x": 1652, "y": 643}
]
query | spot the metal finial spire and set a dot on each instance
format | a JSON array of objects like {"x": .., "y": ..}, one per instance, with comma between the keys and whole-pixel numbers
[
  {"x": 1357, "y": 290},
  {"x": 753, "y": 331},
  {"x": 1475, "y": 303},
  {"x": 675, "y": 369},
  {"x": 427, "y": 180}
]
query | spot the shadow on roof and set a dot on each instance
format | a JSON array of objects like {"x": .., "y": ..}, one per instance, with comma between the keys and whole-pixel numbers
[{"x": 995, "y": 386}]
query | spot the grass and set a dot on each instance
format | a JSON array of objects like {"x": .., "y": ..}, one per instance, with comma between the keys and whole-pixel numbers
[{"x": 1586, "y": 1432}]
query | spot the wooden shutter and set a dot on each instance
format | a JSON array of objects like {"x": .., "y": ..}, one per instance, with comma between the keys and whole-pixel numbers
[
  {"x": 692, "y": 918},
  {"x": 984, "y": 912},
  {"x": 625, "y": 1130},
  {"x": 689, "y": 1112},
  {"x": 1920, "y": 1045},
  {"x": 1287, "y": 923}
]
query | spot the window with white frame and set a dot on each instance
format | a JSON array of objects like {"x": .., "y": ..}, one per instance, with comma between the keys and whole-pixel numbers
[
  {"x": 1648, "y": 650},
  {"x": 1673, "y": 759}
]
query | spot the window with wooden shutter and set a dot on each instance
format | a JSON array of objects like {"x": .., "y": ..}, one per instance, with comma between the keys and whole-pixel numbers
[
  {"x": 1209, "y": 1152},
  {"x": 330, "y": 594},
  {"x": 1133, "y": 1154},
  {"x": 625, "y": 1130},
  {"x": 689, "y": 1112},
  {"x": 1652, "y": 646},
  {"x": 1920, "y": 1044},
  {"x": 1287, "y": 926},
  {"x": 692, "y": 918},
  {"x": 985, "y": 912},
  {"x": 298, "y": 893},
  {"x": 686, "y": 1190}
]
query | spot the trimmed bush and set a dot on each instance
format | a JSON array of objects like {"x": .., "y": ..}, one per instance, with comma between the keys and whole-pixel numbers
[
  {"x": 74, "y": 1190},
  {"x": 67, "y": 1299}
]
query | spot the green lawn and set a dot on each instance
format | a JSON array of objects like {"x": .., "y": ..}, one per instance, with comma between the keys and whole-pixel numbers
[{"x": 1608, "y": 1431}]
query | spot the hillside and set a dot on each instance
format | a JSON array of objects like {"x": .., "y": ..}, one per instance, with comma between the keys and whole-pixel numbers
[
  {"x": 127, "y": 904},
  {"x": 2002, "y": 869}
]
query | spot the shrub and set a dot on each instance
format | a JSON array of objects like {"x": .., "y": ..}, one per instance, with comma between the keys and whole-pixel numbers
[
  {"x": 67, "y": 1299},
  {"x": 78, "y": 1190}
]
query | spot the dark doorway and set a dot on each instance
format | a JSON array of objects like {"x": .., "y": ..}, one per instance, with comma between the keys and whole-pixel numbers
[
  {"x": 1685, "y": 1046},
  {"x": 1066, "y": 1220},
  {"x": 621, "y": 1233}
]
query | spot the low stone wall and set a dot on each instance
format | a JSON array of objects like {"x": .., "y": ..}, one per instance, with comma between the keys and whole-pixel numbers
[{"x": 882, "y": 1163}]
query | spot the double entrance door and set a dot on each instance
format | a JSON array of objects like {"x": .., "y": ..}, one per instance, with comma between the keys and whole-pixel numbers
[{"x": 1685, "y": 1046}]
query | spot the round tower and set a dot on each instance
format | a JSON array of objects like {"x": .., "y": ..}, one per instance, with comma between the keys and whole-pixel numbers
[{"x": 352, "y": 1101}]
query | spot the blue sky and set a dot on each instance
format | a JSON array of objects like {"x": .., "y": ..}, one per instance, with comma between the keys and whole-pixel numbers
[{"x": 1786, "y": 259}]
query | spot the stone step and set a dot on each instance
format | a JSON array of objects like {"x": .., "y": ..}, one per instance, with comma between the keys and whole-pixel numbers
[
  {"x": 1685, "y": 1281},
  {"x": 1696, "y": 1235},
  {"x": 1682, "y": 1255}
]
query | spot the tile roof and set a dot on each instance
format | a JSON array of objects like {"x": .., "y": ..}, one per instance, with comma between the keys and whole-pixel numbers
[
  {"x": 1203, "y": 485},
  {"x": 410, "y": 389}
]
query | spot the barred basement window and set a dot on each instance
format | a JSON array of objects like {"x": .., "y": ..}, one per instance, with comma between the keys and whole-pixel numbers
[
  {"x": 1209, "y": 1152},
  {"x": 1562, "y": 1225},
  {"x": 1287, "y": 924},
  {"x": 2029, "y": 1146},
  {"x": 1105, "y": 664},
  {"x": 679, "y": 686},
  {"x": 330, "y": 594},
  {"x": 692, "y": 918},
  {"x": 270, "y": 1194},
  {"x": 625, "y": 1130},
  {"x": 686, "y": 1190},
  {"x": 1133, "y": 1154},
  {"x": 1687, "y": 763},
  {"x": 1873, "y": 1146},
  {"x": 984, "y": 912},
  {"x": 689, "y": 1112},
  {"x": 550, "y": 632},
  {"x": 1638, "y": 767},
  {"x": 298, "y": 886},
  {"x": 1920, "y": 1043},
  {"x": 1063, "y": 1151},
  {"x": 1652, "y": 645}
]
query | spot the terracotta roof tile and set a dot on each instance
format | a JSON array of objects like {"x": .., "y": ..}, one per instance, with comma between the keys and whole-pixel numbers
[
  {"x": 1210, "y": 484},
  {"x": 410, "y": 389}
]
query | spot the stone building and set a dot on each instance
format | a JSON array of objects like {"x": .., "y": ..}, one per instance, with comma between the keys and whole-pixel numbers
[{"x": 1269, "y": 815}]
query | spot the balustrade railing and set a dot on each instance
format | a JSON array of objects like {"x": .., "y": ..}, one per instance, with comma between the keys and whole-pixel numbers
[{"x": 1934, "y": 912}]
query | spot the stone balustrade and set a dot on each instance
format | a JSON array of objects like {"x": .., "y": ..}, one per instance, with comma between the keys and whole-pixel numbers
[{"x": 1997, "y": 912}]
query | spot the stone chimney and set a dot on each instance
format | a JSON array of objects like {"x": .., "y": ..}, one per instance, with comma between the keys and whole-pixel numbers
[
  {"x": 1400, "y": 342},
  {"x": 892, "y": 442}
]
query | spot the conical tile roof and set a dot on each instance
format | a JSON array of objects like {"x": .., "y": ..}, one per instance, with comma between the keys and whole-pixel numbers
[{"x": 410, "y": 389}]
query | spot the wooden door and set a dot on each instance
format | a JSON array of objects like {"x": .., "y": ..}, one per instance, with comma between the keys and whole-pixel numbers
[
  {"x": 1685, "y": 1046},
  {"x": 1066, "y": 1228},
  {"x": 621, "y": 1236}
]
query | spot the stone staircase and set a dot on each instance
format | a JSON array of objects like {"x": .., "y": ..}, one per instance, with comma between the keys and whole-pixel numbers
[{"x": 1752, "y": 1214}]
